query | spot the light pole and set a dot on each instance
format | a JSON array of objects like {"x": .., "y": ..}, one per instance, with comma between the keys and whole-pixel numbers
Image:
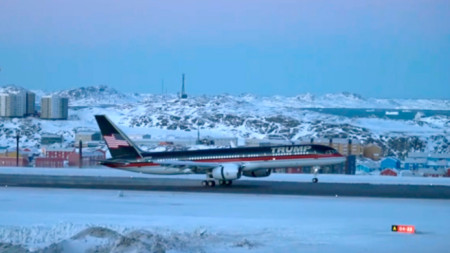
[
  {"x": 80, "y": 158},
  {"x": 17, "y": 148}
]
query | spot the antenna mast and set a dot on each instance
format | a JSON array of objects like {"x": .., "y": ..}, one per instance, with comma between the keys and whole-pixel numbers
[{"x": 183, "y": 92}]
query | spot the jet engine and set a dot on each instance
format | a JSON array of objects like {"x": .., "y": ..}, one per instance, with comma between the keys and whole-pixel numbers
[
  {"x": 257, "y": 173},
  {"x": 227, "y": 172}
]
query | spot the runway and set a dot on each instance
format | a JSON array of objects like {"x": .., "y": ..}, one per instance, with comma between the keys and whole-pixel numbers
[{"x": 239, "y": 186}]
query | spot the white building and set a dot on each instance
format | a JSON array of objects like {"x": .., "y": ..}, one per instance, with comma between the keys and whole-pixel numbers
[
  {"x": 30, "y": 103},
  {"x": 13, "y": 104},
  {"x": 3, "y": 103},
  {"x": 54, "y": 107}
]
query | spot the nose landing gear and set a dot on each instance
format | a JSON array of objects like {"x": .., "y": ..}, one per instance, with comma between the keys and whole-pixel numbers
[{"x": 316, "y": 171}]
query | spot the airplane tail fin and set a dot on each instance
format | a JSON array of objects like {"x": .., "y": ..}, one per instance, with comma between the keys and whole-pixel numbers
[{"x": 119, "y": 145}]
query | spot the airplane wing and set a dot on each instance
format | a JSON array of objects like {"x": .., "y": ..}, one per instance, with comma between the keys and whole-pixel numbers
[
  {"x": 202, "y": 167},
  {"x": 196, "y": 167}
]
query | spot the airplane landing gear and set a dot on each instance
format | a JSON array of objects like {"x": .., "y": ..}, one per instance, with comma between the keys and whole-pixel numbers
[
  {"x": 209, "y": 182},
  {"x": 316, "y": 171},
  {"x": 225, "y": 182},
  {"x": 212, "y": 183}
]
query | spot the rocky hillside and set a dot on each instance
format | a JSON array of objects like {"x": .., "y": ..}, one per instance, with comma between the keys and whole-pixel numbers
[{"x": 95, "y": 96}]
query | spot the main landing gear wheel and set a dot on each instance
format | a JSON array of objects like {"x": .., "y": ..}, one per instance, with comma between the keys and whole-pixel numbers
[
  {"x": 315, "y": 180},
  {"x": 225, "y": 182},
  {"x": 209, "y": 183}
]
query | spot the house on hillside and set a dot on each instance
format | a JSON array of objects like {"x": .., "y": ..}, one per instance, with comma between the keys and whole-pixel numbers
[
  {"x": 421, "y": 160},
  {"x": 360, "y": 168},
  {"x": 429, "y": 172},
  {"x": 415, "y": 163},
  {"x": 391, "y": 163},
  {"x": 373, "y": 152},
  {"x": 389, "y": 172}
]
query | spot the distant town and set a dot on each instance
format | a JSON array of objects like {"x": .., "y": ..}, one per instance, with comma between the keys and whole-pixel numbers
[
  {"x": 88, "y": 148},
  {"x": 93, "y": 149},
  {"x": 20, "y": 103}
]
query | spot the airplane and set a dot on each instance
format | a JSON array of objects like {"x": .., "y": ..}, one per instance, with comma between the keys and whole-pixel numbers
[{"x": 223, "y": 165}]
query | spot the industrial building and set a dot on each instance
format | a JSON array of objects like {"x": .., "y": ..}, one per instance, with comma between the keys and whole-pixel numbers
[
  {"x": 48, "y": 139},
  {"x": 11, "y": 159},
  {"x": 87, "y": 136},
  {"x": 54, "y": 107}
]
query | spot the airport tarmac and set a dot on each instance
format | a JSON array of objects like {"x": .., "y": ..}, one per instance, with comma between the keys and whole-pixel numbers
[{"x": 239, "y": 186}]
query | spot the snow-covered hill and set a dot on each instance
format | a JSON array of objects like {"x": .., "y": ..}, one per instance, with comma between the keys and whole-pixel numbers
[
  {"x": 95, "y": 96},
  {"x": 350, "y": 100},
  {"x": 243, "y": 116},
  {"x": 11, "y": 89}
]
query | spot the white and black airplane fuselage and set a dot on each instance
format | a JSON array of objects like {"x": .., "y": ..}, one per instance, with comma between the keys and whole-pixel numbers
[{"x": 223, "y": 165}]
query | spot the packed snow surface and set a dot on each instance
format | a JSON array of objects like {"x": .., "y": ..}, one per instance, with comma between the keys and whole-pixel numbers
[{"x": 63, "y": 220}]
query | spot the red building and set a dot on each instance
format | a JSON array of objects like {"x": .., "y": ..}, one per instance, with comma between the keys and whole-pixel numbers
[
  {"x": 57, "y": 158},
  {"x": 90, "y": 158},
  {"x": 389, "y": 172},
  {"x": 58, "y": 153},
  {"x": 12, "y": 161},
  {"x": 49, "y": 162}
]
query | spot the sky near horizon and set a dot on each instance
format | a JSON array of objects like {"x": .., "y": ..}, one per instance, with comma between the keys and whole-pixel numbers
[{"x": 386, "y": 49}]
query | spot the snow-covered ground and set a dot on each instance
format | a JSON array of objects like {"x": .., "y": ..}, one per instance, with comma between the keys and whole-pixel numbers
[
  {"x": 323, "y": 178},
  {"x": 63, "y": 220}
]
